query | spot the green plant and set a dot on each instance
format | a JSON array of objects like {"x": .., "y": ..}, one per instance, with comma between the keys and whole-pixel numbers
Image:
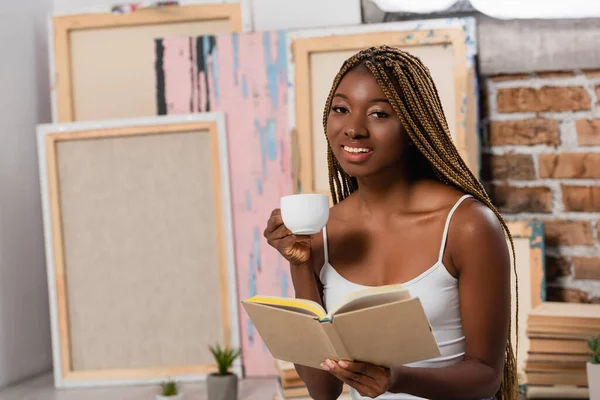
[
  {"x": 594, "y": 346},
  {"x": 169, "y": 388},
  {"x": 224, "y": 358}
]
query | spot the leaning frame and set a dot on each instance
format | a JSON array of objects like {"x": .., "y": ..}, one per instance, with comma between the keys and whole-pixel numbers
[
  {"x": 237, "y": 12},
  {"x": 47, "y": 137}
]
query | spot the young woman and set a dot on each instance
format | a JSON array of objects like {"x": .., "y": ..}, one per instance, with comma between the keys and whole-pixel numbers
[{"x": 407, "y": 210}]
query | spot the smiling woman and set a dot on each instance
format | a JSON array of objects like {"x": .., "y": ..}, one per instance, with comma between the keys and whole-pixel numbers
[{"x": 406, "y": 210}]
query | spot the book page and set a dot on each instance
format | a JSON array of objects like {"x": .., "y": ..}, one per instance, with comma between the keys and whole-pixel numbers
[
  {"x": 400, "y": 333},
  {"x": 302, "y": 306},
  {"x": 290, "y": 336},
  {"x": 369, "y": 298}
]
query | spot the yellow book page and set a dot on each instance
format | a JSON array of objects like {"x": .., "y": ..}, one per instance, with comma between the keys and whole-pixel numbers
[
  {"x": 370, "y": 297},
  {"x": 301, "y": 305}
]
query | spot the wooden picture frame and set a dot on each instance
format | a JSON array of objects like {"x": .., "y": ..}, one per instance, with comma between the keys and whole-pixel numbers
[
  {"x": 455, "y": 34},
  {"x": 71, "y": 90},
  {"x": 528, "y": 237},
  {"x": 64, "y": 151}
]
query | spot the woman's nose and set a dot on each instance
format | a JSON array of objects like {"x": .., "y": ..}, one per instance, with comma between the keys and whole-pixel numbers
[{"x": 354, "y": 133}]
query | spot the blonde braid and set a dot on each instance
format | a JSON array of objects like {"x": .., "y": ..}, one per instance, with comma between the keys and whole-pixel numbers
[{"x": 411, "y": 91}]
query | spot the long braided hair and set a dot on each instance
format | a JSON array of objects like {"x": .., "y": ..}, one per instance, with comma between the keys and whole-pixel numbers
[{"x": 410, "y": 89}]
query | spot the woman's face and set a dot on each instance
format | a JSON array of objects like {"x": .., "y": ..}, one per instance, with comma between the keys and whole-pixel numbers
[{"x": 365, "y": 133}]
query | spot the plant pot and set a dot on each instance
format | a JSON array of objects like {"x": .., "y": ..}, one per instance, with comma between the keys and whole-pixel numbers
[
  {"x": 176, "y": 397},
  {"x": 593, "y": 378},
  {"x": 222, "y": 387}
]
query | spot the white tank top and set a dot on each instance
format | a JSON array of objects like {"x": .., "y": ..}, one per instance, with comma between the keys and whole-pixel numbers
[{"x": 438, "y": 292}]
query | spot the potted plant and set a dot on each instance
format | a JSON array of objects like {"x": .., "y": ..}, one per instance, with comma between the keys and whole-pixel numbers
[
  {"x": 169, "y": 391},
  {"x": 593, "y": 367},
  {"x": 223, "y": 385}
]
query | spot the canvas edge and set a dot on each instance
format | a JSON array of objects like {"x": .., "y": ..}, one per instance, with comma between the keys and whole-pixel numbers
[
  {"x": 61, "y": 379},
  {"x": 104, "y": 9},
  {"x": 533, "y": 230},
  {"x": 52, "y": 69},
  {"x": 440, "y": 23},
  {"x": 42, "y": 131},
  {"x": 229, "y": 237}
]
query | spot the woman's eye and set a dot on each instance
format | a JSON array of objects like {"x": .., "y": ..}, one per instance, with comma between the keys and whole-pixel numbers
[
  {"x": 339, "y": 109},
  {"x": 380, "y": 114}
]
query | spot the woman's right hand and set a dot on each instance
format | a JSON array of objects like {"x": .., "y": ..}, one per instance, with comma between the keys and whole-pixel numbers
[{"x": 294, "y": 248}]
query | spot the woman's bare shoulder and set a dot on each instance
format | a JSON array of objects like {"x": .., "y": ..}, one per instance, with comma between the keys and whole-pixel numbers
[{"x": 476, "y": 233}]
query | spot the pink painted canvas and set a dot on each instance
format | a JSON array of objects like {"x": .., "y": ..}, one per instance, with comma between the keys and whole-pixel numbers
[{"x": 244, "y": 75}]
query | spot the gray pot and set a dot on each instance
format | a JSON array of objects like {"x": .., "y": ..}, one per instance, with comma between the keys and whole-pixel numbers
[{"x": 222, "y": 387}]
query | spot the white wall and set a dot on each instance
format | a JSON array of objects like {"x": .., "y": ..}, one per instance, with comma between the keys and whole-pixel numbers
[{"x": 25, "y": 348}]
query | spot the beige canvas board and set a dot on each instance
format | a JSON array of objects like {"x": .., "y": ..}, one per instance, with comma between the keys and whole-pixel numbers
[{"x": 140, "y": 263}]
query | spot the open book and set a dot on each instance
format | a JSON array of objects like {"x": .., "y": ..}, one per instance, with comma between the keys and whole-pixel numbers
[{"x": 381, "y": 325}]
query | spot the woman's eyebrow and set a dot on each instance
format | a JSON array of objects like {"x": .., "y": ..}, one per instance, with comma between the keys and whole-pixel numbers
[{"x": 376, "y": 100}]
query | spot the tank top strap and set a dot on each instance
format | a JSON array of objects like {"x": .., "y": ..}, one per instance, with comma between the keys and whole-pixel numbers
[
  {"x": 325, "y": 248},
  {"x": 446, "y": 227}
]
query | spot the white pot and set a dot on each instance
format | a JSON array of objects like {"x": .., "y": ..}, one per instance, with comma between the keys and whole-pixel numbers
[
  {"x": 593, "y": 378},
  {"x": 176, "y": 397}
]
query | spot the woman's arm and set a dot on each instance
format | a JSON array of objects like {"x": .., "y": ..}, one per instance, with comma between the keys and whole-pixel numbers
[
  {"x": 477, "y": 246},
  {"x": 321, "y": 384},
  {"x": 478, "y": 250}
]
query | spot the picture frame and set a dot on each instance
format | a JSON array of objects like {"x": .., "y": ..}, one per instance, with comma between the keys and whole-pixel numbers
[
  {"x": 99, "y": 65},
  {"x": 138, "y": 242}
]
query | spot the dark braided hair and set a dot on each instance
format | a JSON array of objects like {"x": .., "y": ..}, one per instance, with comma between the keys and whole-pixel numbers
[{"x": 410, "y": 89}]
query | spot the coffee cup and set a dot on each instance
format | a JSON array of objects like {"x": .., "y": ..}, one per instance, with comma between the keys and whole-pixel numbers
[{"x": 305, "y": 214}]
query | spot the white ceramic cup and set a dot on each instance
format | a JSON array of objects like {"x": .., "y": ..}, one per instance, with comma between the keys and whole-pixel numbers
[{"x": 305, "y": 214}]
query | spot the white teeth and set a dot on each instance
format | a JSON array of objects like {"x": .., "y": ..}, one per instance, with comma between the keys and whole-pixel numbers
[{"x": 356, "y": 149}]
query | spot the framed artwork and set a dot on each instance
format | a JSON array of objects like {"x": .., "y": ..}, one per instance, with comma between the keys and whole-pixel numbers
[
  {"x": 446, "y": 47},
  {"x": 244, "y": 76},
  {"x": 528, "y": 238},
  {"x": 102, "y": 62},
  {"x": 139, "y": 248}
]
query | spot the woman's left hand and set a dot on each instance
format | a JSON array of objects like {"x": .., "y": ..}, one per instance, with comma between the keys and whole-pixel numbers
[{"x": 368, "y": 379}]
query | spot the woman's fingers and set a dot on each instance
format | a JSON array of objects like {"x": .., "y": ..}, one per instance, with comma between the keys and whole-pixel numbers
[{"x": 274, "y": 222}]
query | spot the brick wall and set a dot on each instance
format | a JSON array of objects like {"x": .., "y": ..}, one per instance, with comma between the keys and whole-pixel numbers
[{"x": 541, "y": 160}]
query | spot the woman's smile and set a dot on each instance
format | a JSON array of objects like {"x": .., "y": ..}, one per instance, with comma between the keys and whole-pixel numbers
[{"x": 356, "y": 154}]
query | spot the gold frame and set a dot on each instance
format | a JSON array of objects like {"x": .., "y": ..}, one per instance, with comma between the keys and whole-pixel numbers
[
  {"x": 534, "y": 231},
  {"x": 51, "y": 141},
  {"x": 62, "y": 26}
]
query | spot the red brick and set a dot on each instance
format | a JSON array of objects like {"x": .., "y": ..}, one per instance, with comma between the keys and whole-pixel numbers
[
  {"x": 557, "y": 267},
  {"x": 592, "y": 73},
  {"x": 570, "y": 165},
  {"x": 555, "y": 74},
  {"x": 509, "y": 166},
  {"x": 588, "y": 132},
  {"x": 569, "y": 233},
  {"x": 581, "y": 198},
  {"x": 587, "y": 267},
  {"x": 548, "y": 98},
  {"x": 526, "y": 132},
  {"x": 567, "y": 295},
  {"x": 512, "y": 199},
  {"x": 509, "y": 77}
]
